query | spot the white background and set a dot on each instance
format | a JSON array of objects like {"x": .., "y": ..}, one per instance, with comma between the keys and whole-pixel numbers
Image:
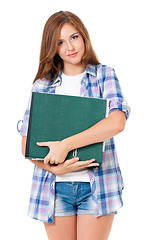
[{"x": 125, "y": 36}]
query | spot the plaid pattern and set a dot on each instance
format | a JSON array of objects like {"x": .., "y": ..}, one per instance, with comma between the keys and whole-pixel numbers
[{"x": 106, "y": 181}]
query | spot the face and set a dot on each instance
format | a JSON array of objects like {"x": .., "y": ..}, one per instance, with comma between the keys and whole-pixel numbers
[{"x": 70, "y": 45}]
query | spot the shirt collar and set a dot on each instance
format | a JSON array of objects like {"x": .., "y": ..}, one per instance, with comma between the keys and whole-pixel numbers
[{"x": 91, "y": 70}]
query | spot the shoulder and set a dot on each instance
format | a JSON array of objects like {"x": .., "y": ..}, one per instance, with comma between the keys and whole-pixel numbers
[
  {"x": 41, "y": 85},
  {"x": 104, "y": 71}
]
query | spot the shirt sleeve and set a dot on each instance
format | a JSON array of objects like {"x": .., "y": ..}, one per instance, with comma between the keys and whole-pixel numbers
[
  {"x": 113, "y": 92},
  {"x": 24, "y": 127}
]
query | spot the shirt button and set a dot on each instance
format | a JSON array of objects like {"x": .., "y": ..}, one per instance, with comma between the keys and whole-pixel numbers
[{"x": 92, "y": 179}]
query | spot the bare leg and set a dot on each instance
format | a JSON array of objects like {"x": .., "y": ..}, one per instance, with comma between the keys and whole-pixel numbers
[
  {"x": 62, "y": 228},
  {"x": 92, "y": 228}
]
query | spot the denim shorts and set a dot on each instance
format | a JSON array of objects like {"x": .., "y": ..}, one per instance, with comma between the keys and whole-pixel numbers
[{"x": 73, "y": 198}]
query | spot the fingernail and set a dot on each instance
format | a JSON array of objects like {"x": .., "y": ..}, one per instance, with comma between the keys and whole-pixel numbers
[
  {"x": 76, "y": 158},
  {"x": 37, "y": 143}
]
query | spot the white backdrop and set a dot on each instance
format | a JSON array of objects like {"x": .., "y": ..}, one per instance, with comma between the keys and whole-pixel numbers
[{"x": 125, "y": 36}]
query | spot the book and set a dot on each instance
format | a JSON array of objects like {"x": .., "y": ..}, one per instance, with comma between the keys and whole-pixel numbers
[{"x": 54, "y": 117}]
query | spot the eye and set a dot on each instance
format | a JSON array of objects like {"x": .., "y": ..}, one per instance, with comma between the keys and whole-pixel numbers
[
  {"x": 60, "y": 43},
  {"x": 75, "y": 36}
]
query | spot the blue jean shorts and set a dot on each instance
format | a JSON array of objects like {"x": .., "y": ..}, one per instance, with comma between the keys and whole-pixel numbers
[{"x": 73, "y": 198}]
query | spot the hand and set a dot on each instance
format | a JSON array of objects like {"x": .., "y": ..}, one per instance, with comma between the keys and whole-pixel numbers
[
  {"x": 58, "y": 151},
  {"x": 72, "y": 165}
]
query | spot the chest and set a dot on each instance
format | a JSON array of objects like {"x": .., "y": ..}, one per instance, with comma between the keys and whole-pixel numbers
[{"x": 89, "y": 87}]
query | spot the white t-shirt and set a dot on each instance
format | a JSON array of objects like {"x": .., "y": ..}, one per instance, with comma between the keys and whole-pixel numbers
[{"x": 71, "y": 86}]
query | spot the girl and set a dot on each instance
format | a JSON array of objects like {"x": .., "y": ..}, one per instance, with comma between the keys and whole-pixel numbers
[{"x": 76, "y": 200}]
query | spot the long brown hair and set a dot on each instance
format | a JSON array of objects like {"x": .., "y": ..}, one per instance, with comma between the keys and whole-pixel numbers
[{"x": 50, "y": 62}]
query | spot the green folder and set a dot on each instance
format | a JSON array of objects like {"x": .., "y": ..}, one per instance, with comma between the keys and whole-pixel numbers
[{"x": 54, "y": 117}]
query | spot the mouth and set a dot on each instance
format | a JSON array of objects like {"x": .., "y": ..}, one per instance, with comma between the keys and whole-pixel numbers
[{"x": 72, "y": 55}]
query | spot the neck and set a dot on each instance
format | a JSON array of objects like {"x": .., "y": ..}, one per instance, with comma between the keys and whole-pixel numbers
[{"x": 73, "y": 69}]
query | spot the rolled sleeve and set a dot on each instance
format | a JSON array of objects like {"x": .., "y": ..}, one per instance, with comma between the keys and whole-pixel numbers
[
  {"x": 24, "y": 127},
  {"x": 113, "y": 92}
]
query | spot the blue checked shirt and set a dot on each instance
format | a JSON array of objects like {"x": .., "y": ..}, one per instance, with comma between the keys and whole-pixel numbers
[{"x": 106, "y": 180}]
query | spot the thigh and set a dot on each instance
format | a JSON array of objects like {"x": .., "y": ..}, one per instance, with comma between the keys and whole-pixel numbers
[
  {"x": 64, "y": 199},
  {"x": 84, "y": 200},
  {"x": 62, "y": 228},
  {"x": 93, "y": 228}
]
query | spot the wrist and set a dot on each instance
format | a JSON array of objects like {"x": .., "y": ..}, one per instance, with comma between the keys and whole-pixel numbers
[{"x": 68, "y": 143}]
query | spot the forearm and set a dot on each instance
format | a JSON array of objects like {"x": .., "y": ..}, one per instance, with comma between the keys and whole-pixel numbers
[
  {"x": 40, "y": 164},
  {"x": 101, "y": 131}
]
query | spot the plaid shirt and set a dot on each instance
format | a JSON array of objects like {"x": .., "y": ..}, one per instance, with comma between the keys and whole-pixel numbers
[{"x": 106, "y": 180}]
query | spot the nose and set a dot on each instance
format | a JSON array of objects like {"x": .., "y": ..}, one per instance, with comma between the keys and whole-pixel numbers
[{"x": 70, "y": 45}]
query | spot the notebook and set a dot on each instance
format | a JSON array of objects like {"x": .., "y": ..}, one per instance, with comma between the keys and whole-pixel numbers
[{"x": 54, "y": 117}]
